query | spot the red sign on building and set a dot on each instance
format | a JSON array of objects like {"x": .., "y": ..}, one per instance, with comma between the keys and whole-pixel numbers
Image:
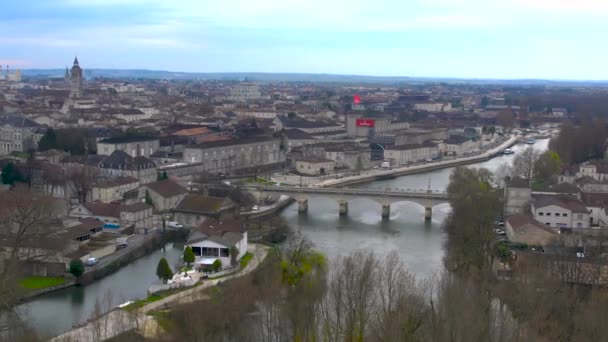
[
  {"x": 357, "y": 99},
  {"x": 365, "y": 123}
]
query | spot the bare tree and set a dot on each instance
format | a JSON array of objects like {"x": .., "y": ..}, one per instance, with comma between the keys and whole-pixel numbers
[
  {"x": 26, "y": 221},
  {"x": 82, "y": 178},
  {"x": 523, "y": 163}
]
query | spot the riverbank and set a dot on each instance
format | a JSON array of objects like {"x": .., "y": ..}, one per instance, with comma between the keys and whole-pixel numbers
[
  {"x": 374, "y": 175},
  {"x": 119, "y": 321},
  {"x": 139, "y": 246}
]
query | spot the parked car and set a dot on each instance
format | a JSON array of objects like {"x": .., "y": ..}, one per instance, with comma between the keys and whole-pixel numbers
[
  {"x": 499, "y": 232},
  {"x": 255, "y": 207},
  {"x": 499, "y": 223},
  {"x": 92, "y": 261},
  {"x": 176, "y": 225}
]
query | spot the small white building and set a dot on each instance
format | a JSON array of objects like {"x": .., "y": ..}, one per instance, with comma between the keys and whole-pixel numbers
[
  {"x": 315, "y": 166},
  {"x": 560, "y": 211},
  {"x": 404, "y": 154},
  {"x": 458, "y": 145},
  {"x": 214, "y": 239}
]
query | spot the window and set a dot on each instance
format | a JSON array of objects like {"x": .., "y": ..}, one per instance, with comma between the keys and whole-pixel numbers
[
  {"x": 580, "y": 217},
  {"x": 556, "y": 214},
  {"x": 548, "y": 214},
  {"x": 540, "y": 213},
  {"x": 548, "y": 224},
  {"x": 565, "y": 215},
  {"x": 210, "y": 252},
  {"x": 224, "y": 252}
]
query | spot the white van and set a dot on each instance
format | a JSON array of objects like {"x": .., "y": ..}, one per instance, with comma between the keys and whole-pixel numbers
[
  {"x": 92, "y": 261},
  {"x": 175, "y": 225}
]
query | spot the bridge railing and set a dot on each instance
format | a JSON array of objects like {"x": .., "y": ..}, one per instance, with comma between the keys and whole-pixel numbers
[{"x": 399, "y": 192}]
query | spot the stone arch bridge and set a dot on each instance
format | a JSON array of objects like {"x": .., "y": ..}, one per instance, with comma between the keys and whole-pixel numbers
[{"x": 387, "y": 196}]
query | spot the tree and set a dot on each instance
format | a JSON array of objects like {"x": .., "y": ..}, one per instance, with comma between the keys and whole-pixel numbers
[
  {"x": 470, "y": 227},
  {"x": 163, "y": 271},
  {"x": 48, "y": 140},
  {"x": 547, "y": 165},
  {"x": 81, "y": 179},
  {"x": 217, "y": 265},
  {"x": 9, "y": 174},
  {"x": 76, "y": 267},
  {"x": 188, "y": 255},
  {"x": 485, "y": 101},
  {"x": 234, "y": 253},
  {"x": 505, "y": 119},
  {"x": 523, "y": 164},
  {"x": 162, "y": 176}
]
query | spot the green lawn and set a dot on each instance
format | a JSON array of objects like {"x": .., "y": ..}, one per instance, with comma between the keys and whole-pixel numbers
[
  {"x": 245, "y": 259},
  {"x": 36, "y": 283}
]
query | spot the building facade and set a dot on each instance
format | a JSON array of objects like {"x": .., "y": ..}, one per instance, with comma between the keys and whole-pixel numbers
[
  {"x": 227, "y": 156},
  {"x": 133, "y": 146}
]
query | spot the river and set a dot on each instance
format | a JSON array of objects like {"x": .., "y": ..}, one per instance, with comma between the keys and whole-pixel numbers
[{"x": 420, "y": 245}]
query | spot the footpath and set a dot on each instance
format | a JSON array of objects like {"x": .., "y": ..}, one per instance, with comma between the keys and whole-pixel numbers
[
  {"x": 119, "y": 321},
  {"x": 372, "y": 175}
]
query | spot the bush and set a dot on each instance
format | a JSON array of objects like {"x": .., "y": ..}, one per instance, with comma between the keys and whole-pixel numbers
[
  {"x": 163, "y": 271},
  {"x": 76, "y": 267},
  {"x": 217, "y": 265}
]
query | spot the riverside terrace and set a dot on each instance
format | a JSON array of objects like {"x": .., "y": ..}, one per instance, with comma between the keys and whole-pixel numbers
[{"x": 426, "y": 198}]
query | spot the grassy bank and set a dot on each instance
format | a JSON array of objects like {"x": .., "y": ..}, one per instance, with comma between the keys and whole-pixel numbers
[{"x": 37, "y": 283}]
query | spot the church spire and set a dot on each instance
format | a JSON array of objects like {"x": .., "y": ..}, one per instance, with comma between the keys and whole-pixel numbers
[{"x": 75, "y": 60}]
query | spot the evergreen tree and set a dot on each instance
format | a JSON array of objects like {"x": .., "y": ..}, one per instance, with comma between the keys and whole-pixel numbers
[
  {"x": 188, "y": 256},
  {"x": 48, "y": 140},
  {"x": 234, "y": 253},
  {"x": 163, "y": 271},
  {"x": 9, "y": 174},
  {"x": 76, "y": 267}
]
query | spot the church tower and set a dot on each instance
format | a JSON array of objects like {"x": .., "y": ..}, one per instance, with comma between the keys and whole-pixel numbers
[{"x": 76, "y": 79}]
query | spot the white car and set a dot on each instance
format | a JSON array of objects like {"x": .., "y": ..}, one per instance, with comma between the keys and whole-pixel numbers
[
  {"x": 92, "y": 261},
  {"x": 255, "y": 207},
  {"x": 176, "y": 225}
]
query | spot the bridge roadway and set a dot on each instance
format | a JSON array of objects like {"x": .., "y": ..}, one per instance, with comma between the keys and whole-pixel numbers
[{"x": 426, "y": 198}]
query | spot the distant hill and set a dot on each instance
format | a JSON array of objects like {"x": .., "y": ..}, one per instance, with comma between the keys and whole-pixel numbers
[{"x": 296, "y": 77}]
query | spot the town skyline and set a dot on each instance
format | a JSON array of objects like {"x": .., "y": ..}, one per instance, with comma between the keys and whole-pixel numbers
[{"x": 423, "y": 38}]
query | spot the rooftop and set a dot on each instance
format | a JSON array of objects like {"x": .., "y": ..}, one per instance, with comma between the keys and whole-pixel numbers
[{"x": 127, "y": 139}]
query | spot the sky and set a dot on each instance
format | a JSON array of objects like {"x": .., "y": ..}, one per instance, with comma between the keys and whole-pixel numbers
[{"x": 509, "y": 39}]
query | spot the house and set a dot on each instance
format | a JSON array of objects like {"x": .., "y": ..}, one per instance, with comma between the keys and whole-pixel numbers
[
  {"x": 164, "y": 195},
  {"x": 135, "y": 146},
  {"x": 120, "y": 163},
  {"x": 138, "y": 215},
  {"x": 213, "y": 239},
  {"x": 113, "y": 189},
  {"x": 561, "y": 211},
  {"x": 314, "y": 166},
  {"x": 458, "y": 145},
  {"x": 297, "y": 137},
  {"x": 196, "y": 208},
  {"x": 517, "y": 196},
  {"x": 104, "y": 212},
  {"x": 522, "y": 228},
  {"x": 405, "y": 154},
  {"x": 115, "y": 215}
]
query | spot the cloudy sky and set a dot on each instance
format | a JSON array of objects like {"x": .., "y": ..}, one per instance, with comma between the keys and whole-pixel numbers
[{"x": 554, "y": 39}]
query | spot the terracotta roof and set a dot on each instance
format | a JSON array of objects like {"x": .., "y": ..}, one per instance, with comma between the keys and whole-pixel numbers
[
  {"x": 166, "y": 188},
  {"x": 195, "y": 203},
  {"x": 517, "y": 221},
  {"x": 135, "y": 207},
  {"x": 226, "y": 232},
  {"x": 103, "y": 209},
  {"x": 193, "y": 131}
]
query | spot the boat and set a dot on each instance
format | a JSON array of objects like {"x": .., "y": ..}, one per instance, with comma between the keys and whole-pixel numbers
[
  {"x": 530, "y": 141},
  {"x": 507, "y": 151}
]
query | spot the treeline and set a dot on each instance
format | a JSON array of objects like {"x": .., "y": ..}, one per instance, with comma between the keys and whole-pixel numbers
[
  {"x": 575, "y": 102},
  {"x": 576, "y": 144}
]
